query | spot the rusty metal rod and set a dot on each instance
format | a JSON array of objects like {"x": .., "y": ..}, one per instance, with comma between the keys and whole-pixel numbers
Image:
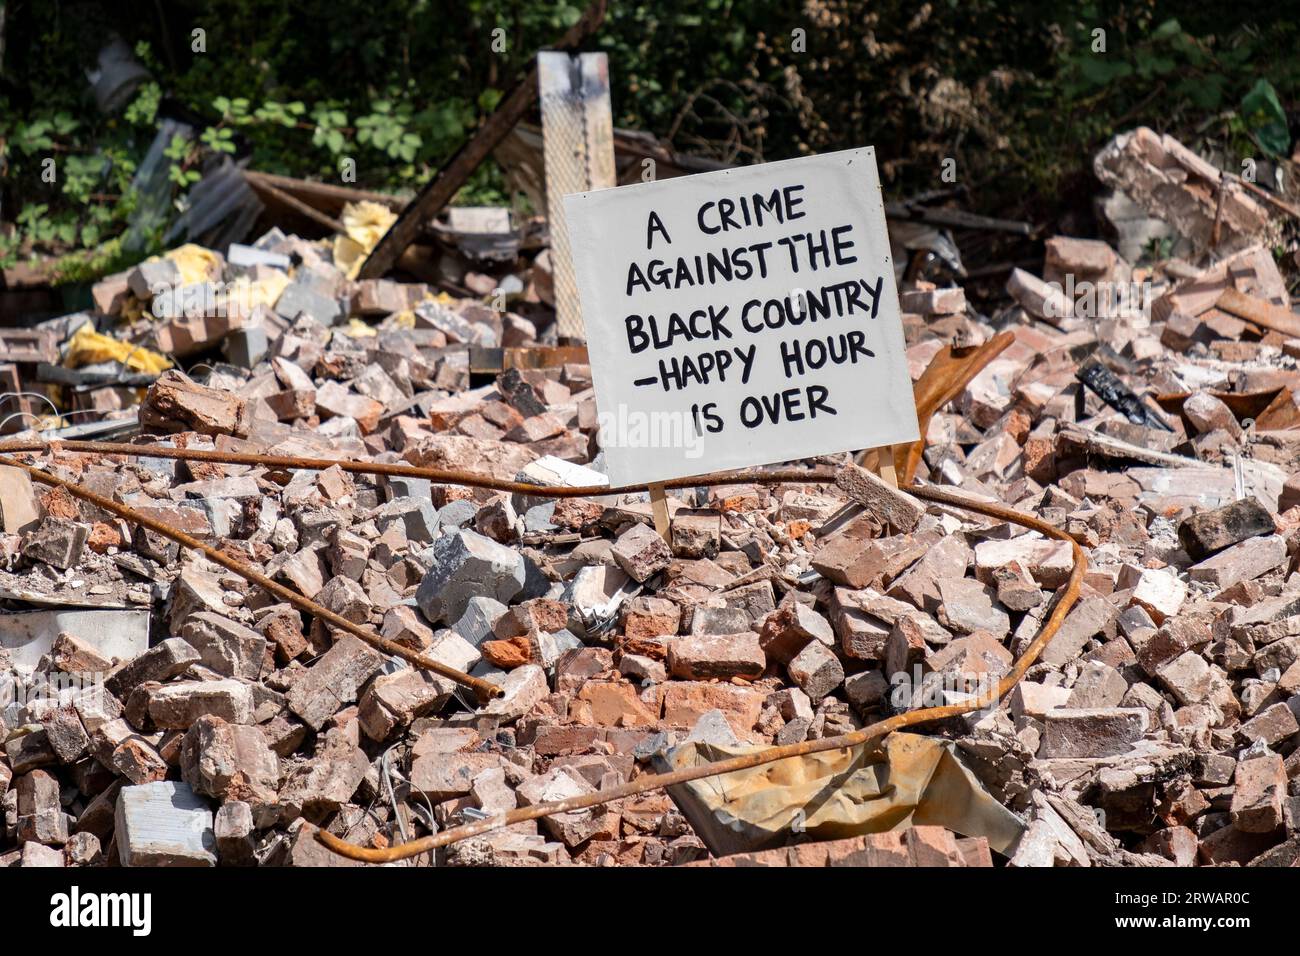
[
  {"x": 437, "y": 475},
  {"x": 486, "y": 690},
  {"x": 1067, "y": 597}
]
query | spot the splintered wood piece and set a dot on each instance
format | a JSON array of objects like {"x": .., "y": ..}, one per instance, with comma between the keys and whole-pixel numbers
[
  {"x": 896, "y": 508},
  {"x": 1263, "y": 313},
  {"x": 578, "y": 142},
  {"x": 950, "y": 371},
  {"x": 271, "y": 190}
]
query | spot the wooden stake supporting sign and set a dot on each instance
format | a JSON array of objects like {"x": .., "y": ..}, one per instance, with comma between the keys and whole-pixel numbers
[
  {"x": 659, "y": 508},
  {"x": 881, "y": 461}
]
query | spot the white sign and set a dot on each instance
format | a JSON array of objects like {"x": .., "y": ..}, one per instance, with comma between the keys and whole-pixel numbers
[{"x": 742, "y": 317}]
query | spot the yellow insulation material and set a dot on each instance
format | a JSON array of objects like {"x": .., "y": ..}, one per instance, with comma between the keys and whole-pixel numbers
[
  {"x": 195, "y": 263},
  {"x": 365, "y": 222},
  {"x": 87, "y": 347}
]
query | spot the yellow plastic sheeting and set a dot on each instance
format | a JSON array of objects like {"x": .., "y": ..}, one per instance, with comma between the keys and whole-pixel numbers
[
  {"x": 836, "y": 794},
  {"x": 365, "y": 223},
  {"x": 87, "y": 347}
]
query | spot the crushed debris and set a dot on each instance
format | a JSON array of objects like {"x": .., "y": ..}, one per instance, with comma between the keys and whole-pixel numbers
[{"x": 349, "y": 581}]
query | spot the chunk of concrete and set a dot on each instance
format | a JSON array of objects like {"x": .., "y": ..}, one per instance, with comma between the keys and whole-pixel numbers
[
  {"x": 164, "y": 824},
  {"x": 466, "y": 564}
]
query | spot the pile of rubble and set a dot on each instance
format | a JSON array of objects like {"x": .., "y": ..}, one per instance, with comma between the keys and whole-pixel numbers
[{"x": 1158, "y": 727}]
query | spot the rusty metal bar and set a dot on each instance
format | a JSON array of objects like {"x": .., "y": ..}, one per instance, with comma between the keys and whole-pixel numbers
[
  {"x": 486, "y": 690},
  {"x": 1067, "y": 597},
  {"x": 436, "y": 475}
]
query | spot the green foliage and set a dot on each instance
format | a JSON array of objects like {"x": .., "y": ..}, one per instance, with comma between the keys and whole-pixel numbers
[
  {"x": 143, "y": 110},
  {"x": 182, "y": 154},
  {"x": 1175, "y": 73},
  {"x": 1012, "y": 89},
  {"x": 78, "y": 189},
  {"x": 95, "y": 260},
  {"x": 1262, "y": 113},
  {"x": 218, "y": 139},
  {"x": 42, "y": 135},
  {"x": 387, "y": 130}
]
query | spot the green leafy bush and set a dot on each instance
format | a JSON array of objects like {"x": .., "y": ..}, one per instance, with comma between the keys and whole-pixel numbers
[{"x": 1012, "y": 90}]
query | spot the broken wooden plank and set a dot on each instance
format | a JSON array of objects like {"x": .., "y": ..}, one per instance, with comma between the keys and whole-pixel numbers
[
  {"x": 1260, "y": 312},
  {"x": 277, "y": 194},
  {"x": 326, "y": 197},
  {"x": 950, "y": 371},
  {"x": 440, "y": 190},
  {"x": 955, "y": 218}
]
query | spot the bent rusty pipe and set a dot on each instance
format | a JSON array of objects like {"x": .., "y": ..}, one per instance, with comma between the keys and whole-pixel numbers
[
  {"x": 485, "y": 690},
  {"x": 1067, "y": 597}
]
